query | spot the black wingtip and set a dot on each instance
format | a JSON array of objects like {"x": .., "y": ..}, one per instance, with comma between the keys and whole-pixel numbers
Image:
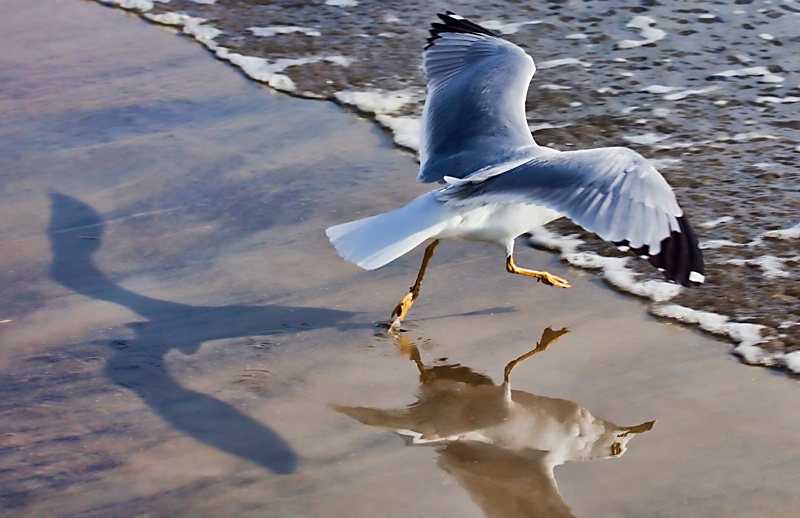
[
  {"x": 457, "y": 24},
  {"x": 679, "y": 259}
]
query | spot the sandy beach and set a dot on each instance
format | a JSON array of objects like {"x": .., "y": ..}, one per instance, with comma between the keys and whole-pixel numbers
[{"x": 176, "y": 331}]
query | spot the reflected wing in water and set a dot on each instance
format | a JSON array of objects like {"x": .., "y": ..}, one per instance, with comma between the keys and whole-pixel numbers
[{"x": 504, "y": 483}]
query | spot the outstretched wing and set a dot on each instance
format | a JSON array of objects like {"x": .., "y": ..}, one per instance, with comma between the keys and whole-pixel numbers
[
  {"x": 474, "y": 115},
  {"x": 613, "y": 192}
]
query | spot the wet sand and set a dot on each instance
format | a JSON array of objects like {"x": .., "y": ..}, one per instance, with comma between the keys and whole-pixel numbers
[{"x": 176, "y": 328}]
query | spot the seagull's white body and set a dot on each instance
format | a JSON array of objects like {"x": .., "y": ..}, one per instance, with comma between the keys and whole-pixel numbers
[
  {"x": 499, "y": 183},
  {"x": 373, "y": 242}
]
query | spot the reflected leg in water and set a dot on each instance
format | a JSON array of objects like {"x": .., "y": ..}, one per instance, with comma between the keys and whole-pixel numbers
[{"x": 548, "y": 338}]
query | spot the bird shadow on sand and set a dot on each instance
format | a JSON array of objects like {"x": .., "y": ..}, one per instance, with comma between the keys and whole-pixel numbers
[
  {"x": 138, "y": 364},
  {"x": 501, "y": 445}
]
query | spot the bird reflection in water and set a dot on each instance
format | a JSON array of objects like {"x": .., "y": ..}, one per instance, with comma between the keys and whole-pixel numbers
[{"x": 500, "y": 444}]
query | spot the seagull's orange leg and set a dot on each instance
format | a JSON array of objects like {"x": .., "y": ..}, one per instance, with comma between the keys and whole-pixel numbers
[
  {"x": 402, "y": 308},
  {"x": 546, "y": 278}
]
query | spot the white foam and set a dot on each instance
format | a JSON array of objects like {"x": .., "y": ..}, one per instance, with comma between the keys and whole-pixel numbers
[
  {"x": 576, "y": 36},
  {"x": 561, "y": 62},
  {"x": 662, "y": 112},
  {"x": 269, "y": 71},
  {"x": 378, "y": 102},
  {"x": 777, "y": 100},
  {"x": 205, "y": 34},
  {"x": 716, "y": 222},
  {"x": 615, "y": 270},
  {"x": 650, "y": 34},
  {"x": 646, "y": 139},
  {"x": 750, "y": 135},
  {"x": 194, "y": 27},
  {"x": 341, "y": 3},
  {"x": 664, "y": 163},
  {"x": 543, "y": 126},
  {"x": 134, "y": 5},
  {"x": 342, "y": 61},
  {"x": 789, "y": 233},
  {"x": 686, "y": 93},
  {"x": 792, "y": 361},
  {"x": 554, "y": 87},
  {"x": 713, "y": 244},
  {"x": 677, "y": 92},
  {"x": 564, "y": 244},
  {"x": 506, "y": 28},
  {"x": 660, "y": 89},
  {"x": 405, "y": 130},
  {"x": 766, "y": 75},
  {"x": 772, "y": 266},
  {"x": 385, "y": 106},
  {"x": 765, "y": 36},
  {"x": 746, "y": 335},
  {"x": 283, "y": 29}
]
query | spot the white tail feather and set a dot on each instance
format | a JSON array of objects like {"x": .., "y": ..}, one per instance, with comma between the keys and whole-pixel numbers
[{"x": 373, "y": 242}]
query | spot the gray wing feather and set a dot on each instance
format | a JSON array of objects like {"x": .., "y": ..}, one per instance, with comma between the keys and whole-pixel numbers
[
  {"x": 477, "y": 84},
  {"x": 613, "y": 192}
]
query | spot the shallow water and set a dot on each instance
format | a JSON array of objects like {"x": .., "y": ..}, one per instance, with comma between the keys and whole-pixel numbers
[{"x": 709, "y": 90}]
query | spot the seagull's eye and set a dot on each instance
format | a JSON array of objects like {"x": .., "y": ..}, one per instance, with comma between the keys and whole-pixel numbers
[{"x": 616, "y": 449}]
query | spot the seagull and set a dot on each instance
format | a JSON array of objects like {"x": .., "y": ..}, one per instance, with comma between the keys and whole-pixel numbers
[{"x": 498, "y": 183}]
